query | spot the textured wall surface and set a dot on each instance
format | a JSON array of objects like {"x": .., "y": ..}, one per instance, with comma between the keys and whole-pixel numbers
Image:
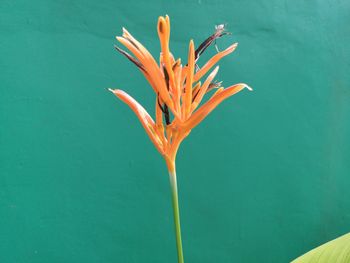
[{"x": 264, "y": 178}]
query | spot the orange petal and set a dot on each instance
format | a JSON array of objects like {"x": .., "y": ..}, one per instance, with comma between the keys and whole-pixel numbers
[
  {"x": 159, "y": 113},
  {"x": 203, "y": 111},
  {"x": 213, "y": 61},
  {"x": 164, "y": 36},
  {"x": 149, "y": 64},
  {"x": 167, "y": 19},
  {"x": 145, "y": 119},
  {"x": 203, "y": 89},
  {"x": 187, "y": 97},
  {"x": 159, "y": 120},
  {"x": 218, "y": 91},
  {"x": 177, "y": 73},
  {"x": 140, "y": 58},
  {"x": 196, "y": 89}
]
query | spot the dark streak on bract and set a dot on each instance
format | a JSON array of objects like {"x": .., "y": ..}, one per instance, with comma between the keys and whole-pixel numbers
[
  {"x": 166, "y": 76},
  {"x": 133, "y": 43},
  {"x": 161, "y": 27},
  {"x": 131, "y": 58},
  {"x": 166, "y": 114},
  {"x": 219, "y": 32},
  {"x": 174, "y": 65},
  {"x": 166, "y": 110},
  {"x": 195, "y": 95}
]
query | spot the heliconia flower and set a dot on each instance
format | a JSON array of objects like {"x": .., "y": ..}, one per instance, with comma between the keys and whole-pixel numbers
[
  {"x": 177, "y": 88},
  {"x": 178, "y": 94}
]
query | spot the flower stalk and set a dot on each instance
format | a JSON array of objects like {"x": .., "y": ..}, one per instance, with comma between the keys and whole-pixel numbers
[{"x": 176, "y": 212}]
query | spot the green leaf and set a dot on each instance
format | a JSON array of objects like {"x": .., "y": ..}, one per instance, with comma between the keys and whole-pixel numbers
[{"x": 335, "y": 251}]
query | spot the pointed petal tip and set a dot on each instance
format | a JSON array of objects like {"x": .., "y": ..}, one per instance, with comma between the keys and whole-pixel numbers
[
  {"x": 126, "y": 33},
  {"x": 215, "y": 71},
  {"x": 119, "y": 38},
  {"x": 124, "y": 30},
  {"x": 232, "y": 47},
  {"x": 248, "y": 87},
  {"x": 116, "y": 91}
]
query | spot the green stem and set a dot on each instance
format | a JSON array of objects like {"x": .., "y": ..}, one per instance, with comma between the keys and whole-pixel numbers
[{"x": 173, "y": 184}]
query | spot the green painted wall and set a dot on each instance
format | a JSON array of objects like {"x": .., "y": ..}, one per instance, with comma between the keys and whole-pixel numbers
[{"x": 264, "y": 178}]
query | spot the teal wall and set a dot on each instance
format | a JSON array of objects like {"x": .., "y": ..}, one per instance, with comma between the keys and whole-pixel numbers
[{"x": 264, "y": 178}]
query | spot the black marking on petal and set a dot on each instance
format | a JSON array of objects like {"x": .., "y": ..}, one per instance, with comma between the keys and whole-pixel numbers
[
  {"x": 195, "y": 95},
  {"x": 131, "y": 58},
  {"x": 220, "y": 31},
  {"x": 165, "y": 110},
  {"x": 133, "y": 43},
  {"x": 166, "y": 76},
  {"x": 161, "y": 27},
  {"x": 214, "y": 85},
  {"x": 159, "y": 104},
  {"x": 166, "y": 114},
  {"x": 175, "y": 65}
]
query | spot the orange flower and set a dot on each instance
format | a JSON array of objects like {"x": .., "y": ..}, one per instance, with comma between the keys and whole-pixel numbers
[
  {"x": 177, "y": 88},
  {"x": 179, "y": 92}
]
